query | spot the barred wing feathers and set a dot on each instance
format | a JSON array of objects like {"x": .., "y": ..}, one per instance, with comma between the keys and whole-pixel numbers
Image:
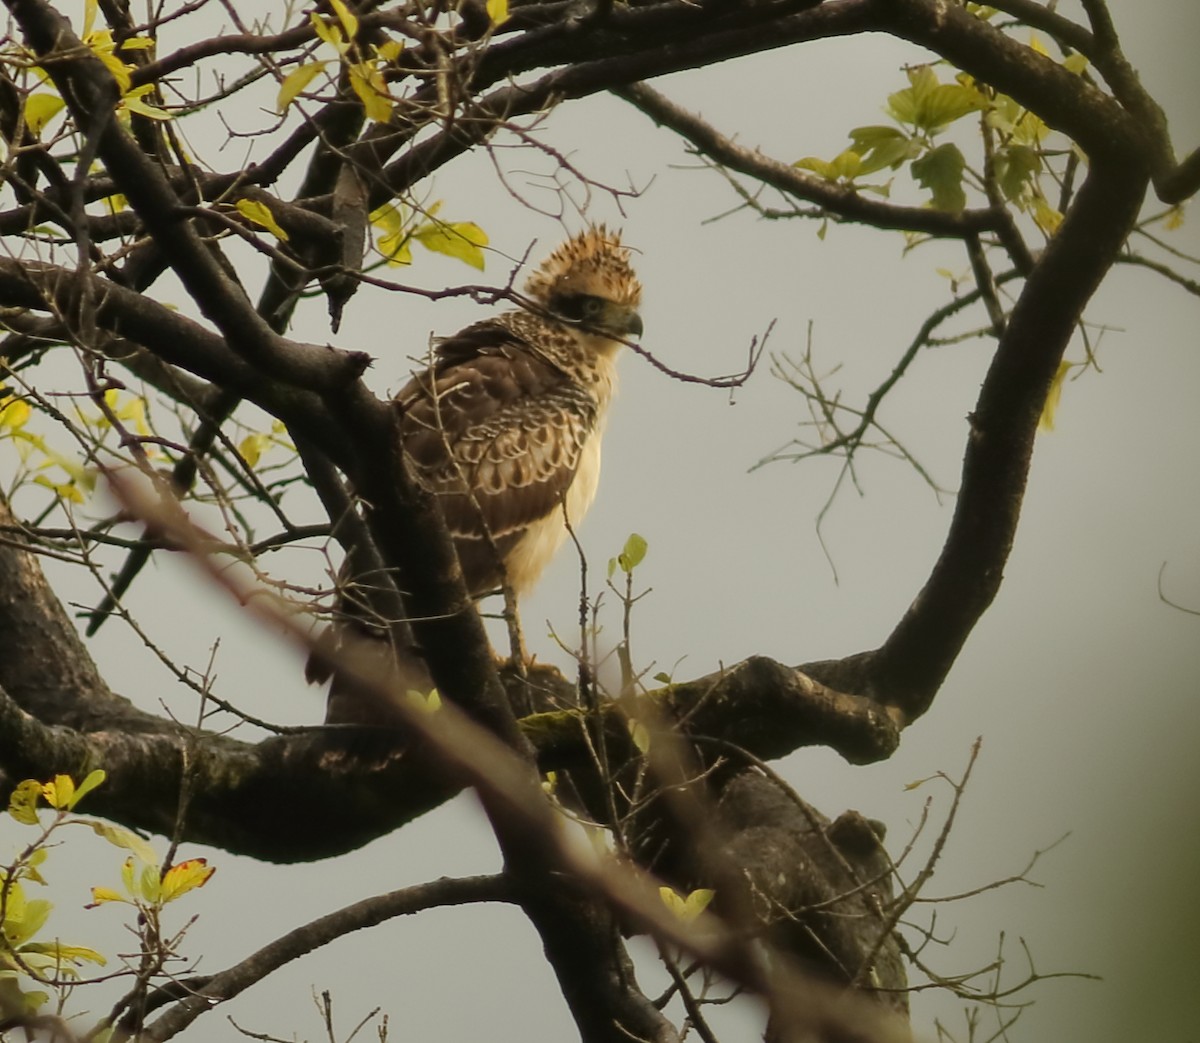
[{"x": 498, "y": 432}]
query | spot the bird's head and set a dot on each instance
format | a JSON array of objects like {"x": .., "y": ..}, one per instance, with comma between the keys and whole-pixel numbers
[{"x": 589, "y": 282}]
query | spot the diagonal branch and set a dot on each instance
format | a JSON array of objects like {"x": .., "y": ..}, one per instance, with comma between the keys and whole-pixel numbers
[
  {"x": 908, "y": 669},
  {"x": 842, "y": 200}
]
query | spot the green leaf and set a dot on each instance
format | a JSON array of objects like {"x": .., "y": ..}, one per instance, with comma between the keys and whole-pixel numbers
[
  {"x": 940, "y": 171},
  {"x": 633, "y": 554},
  {"x": 15, "y": 1002},
  {"x": 881, "y": 147},
  {"x": 463, "y": 239},
  {"x": 931, "y": 106},
  {"x": 1014, "y": 167},
  {"x": 822, "y": 168},
  {"x": 946, "y": 103}
]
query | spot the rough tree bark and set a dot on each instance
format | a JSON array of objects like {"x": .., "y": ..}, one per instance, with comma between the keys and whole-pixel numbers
[{"x": 58, "y": 715}]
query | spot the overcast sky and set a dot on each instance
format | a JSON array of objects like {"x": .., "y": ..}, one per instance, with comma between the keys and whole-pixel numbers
[{"x": 1080, "y": 680}]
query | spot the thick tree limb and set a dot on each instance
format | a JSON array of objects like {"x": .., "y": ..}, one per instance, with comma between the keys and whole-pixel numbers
[{"x": 908, "y": 669}]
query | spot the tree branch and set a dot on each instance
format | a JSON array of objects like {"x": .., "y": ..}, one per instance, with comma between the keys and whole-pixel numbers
[{"x": 908, "y": 669}]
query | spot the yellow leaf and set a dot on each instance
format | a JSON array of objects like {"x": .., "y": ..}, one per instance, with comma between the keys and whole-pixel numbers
[
  {"x": 90, "y": 9},
  {"x": 1075, "y": 63},
  {"x": 132, "y": 102},
  {"x": 369, "y": 85},
  {"x": 115, "y": 203},
  {"x": 1053, "y": 397},
  {"x": 1173, "y": 221},
  {"x": 36, "y": 858},
  {"x": 130, "y": 841},
  {"x": 550, "y": 783},
  {"x": 40, "y": 109},
  {"x": 185, "y": 877},
  {"x": 60, "y": 792},
  {"x": 346, "y": 17},
  {"x": 251, "y": 448},
  {"x": 686, "y": 909},
  {"x": 463, "y": 240},
  {"x": 329, "y": 33},
  {"x": 390, "y": 50},
  {"x": 137, "y": 43},
  {"x": 396, "y": 249},
  {"x": 428, "y": 703},
  {"x": 388, "y": 217},
  {"x": 497, "y": 11},
  {"x": 639, "y": 734},
  {"x": 64, "y": 490},
  {"x": 94, "y": 778},
  {"x": 294, "y": 82},
  {"x": 1048, "y": 219},
  {"x": 22, "y": 804},
  {"x": 100, "y": 895},
  {"x": 23, "y": 918},
  {"x": 697, "y": 902},
  {"x": 260, "y": 214},
  {"x": 102, "y": 46},
  {"x": 14, "y": 412},
  {"x": 61, "y": 954},
  {"x": 135, "y": 410}
]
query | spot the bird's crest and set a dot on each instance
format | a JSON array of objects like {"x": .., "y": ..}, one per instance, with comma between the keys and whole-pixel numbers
[{"x": 593, "y": 262}]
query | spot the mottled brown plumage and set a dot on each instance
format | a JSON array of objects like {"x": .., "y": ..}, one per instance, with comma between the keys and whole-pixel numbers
[{"x": 504, "y": 427}]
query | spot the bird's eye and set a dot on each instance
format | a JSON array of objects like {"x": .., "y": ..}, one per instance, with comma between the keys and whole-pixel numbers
[{"x": 578, "y": 307}]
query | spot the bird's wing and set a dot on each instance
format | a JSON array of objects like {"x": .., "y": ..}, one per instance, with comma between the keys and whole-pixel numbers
[{"x": 496, "y": 431}]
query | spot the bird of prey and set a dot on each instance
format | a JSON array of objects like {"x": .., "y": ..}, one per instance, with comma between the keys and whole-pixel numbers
[{"x": 504, "y": 427}]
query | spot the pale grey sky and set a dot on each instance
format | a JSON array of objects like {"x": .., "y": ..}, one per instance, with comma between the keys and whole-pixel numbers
[{"x": 1080, "y": 681}]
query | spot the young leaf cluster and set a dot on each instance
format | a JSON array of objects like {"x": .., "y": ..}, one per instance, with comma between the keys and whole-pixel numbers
[
  {"x": 31, "y": 962},
  {"x": 922, "y": 114}
]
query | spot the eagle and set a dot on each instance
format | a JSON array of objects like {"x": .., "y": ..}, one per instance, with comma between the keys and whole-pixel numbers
[{"x": 504, "y": 426}]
